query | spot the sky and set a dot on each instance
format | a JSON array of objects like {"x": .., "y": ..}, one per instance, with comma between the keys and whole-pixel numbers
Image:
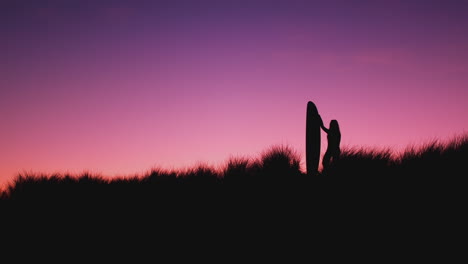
[{"x": 120, "y": 87}]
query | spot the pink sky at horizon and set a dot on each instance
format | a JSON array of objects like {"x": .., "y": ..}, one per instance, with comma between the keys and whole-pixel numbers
[{"x": 119, "y": 90}]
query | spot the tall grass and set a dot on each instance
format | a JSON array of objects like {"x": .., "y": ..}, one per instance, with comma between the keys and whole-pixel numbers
[{"x": 278, "y": 165}]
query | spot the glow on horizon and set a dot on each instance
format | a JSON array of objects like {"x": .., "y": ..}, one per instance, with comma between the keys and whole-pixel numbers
[{"x": 118, "y": 90}]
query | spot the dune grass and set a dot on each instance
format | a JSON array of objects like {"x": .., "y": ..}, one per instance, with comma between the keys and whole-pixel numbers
[{"x": 278, "y": 166}]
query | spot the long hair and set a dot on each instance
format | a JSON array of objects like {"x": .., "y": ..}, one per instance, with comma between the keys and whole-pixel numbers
[{"x": 334, "y": 127}]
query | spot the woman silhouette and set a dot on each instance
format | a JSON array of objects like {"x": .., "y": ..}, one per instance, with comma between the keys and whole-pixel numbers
[{"x": 334, "y": 138}]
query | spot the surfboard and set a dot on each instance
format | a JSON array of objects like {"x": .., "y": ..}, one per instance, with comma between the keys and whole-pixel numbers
[{"x": 312, "y": 139}]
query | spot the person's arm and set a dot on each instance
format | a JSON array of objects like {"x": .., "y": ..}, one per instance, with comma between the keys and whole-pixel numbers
[
  {"x": 322, "y": 126},
  {"x": 324, "y": 129}
]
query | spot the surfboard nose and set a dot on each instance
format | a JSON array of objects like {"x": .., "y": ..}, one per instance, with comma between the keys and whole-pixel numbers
[{"x": 311, "y": 107}]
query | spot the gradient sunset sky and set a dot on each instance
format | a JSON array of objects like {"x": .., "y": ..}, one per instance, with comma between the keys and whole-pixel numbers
[{"x": 119, "y": 87}]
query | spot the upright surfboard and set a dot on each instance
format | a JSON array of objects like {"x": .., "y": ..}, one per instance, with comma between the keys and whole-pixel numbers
[{"x": 312, "y": 139}]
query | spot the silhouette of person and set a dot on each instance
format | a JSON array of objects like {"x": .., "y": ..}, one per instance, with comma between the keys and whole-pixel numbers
[{"x": 334, "y": 138}]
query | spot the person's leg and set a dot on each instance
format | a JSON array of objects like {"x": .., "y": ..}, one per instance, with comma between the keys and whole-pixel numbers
[
  {"x": 335, "y": 156},
  {"x": 326, "y": 160}
]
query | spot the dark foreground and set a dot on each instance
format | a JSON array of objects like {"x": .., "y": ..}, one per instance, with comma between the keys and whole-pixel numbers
[{"x": 415, "y": 201}]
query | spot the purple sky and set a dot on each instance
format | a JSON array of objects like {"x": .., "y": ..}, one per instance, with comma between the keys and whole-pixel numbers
[{"x": 119, "y": 88}]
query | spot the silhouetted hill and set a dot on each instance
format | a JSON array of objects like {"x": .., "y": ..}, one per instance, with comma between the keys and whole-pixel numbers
[
  {"x": 419, "y": 179},
  {"x": 417, "y": 197},
  {"x": 275, "y": 172}
]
